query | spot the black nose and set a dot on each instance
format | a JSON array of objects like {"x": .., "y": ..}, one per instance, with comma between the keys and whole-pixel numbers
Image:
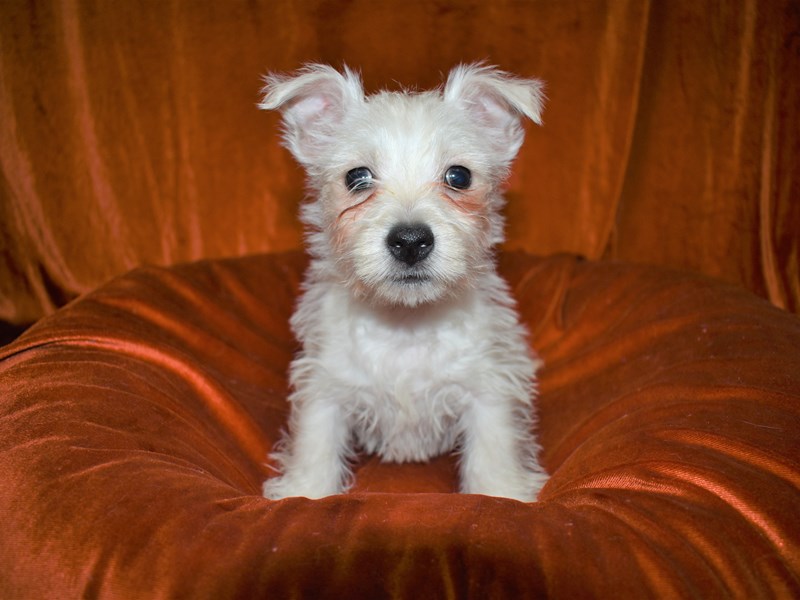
[{"x": 410, "y": 243}]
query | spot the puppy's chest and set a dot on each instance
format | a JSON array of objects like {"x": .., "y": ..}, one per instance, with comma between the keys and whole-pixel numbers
[
  {"x": 405, "y": 385},
  {"x": 405, "y": 361}
]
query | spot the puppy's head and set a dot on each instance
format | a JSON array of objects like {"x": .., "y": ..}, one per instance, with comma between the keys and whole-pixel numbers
[{"x": 406, "y": 197}]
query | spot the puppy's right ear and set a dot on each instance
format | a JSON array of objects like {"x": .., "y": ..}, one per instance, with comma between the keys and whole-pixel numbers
[{"x": 313, "y": 103}]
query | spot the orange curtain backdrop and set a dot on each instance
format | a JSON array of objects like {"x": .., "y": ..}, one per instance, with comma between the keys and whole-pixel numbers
[
  {"x": 716, "y": 154},
  {"x": 129, "y": 133}
]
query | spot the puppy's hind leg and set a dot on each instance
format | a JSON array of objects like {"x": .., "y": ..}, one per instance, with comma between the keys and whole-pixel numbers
[{"x": 313, "y": 461}]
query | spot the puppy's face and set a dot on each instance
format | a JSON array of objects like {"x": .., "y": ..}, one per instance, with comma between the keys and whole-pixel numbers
[
  {"x": 407, "y": 200},
  {"x": 406, "y": 206}
]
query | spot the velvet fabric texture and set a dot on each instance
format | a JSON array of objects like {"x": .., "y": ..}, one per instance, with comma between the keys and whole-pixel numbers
[
  {"x": 129, "y": 133},
  {"x": 135, "y": 421},
  {"x": 134, "y": 426}
]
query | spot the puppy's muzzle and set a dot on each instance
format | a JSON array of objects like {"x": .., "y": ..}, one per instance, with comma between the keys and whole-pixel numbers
[{"x": 410, "y": 243}]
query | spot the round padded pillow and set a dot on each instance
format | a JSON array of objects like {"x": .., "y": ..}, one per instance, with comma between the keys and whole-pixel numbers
[{"x": 135, "y": 425}]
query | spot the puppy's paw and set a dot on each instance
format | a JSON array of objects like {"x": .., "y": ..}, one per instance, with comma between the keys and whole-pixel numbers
[
  {"x": 517, "y": 485},
  {"x": 525, "y": 488},
  {"x": 278, "y": 488},
  {"x": 286, "y": 486}
]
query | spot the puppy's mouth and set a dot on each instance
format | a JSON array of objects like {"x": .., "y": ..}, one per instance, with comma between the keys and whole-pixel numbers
[{"x": 412, "y": 278}]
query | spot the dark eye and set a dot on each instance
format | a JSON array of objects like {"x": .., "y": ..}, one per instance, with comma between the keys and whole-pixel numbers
[
  {"x": 458, "y": 177},
  {"x": 358, "y": 179}
]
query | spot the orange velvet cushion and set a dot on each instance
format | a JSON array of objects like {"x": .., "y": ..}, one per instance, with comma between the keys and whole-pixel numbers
[{"x": 134, "y": 426}]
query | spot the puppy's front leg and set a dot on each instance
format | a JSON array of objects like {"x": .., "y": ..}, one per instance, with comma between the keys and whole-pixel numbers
[
  {"x": 499, "y": 452},
  {"x": 314, "y": 461}
]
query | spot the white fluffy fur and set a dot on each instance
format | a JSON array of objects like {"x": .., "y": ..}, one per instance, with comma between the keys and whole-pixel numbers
[{"x": 407, "y": 361}]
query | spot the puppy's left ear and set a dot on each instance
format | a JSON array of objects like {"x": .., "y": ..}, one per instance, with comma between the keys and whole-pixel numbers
[{"x": 496, "y": 101}]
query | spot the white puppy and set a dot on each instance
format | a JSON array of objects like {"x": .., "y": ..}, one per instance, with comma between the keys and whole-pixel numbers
[{"x": 411, "y": 344}]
